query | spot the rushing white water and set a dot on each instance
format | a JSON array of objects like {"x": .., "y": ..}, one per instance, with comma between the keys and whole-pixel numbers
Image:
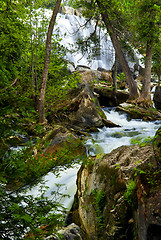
[
  {"x": 64, "y": 184},
  {"x": 130, "y": 131},
  {"x": 104, "y": 141},
  {"x": 70, "y": 28}
]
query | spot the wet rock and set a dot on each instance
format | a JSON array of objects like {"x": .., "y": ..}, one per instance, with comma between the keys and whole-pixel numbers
[
  {"x": 157, "y": 98},
  {"x": 138, "y": 112},
  {"x": 108, "y": 98},
  {"x": 61, "y": 138},
  {"x": 71, "y": 232},
  {"x": 82, "y": 68},
  {"x": 81, "y": 111},
  {"x": 108, "y": 206},
  {"x": 81, "y": 108},
  {"x": 88, "y": 113},
  {"x": 109, "y": 124}
]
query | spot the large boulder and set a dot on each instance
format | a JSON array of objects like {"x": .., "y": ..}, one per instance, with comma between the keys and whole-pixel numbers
[
  {"x": 89, "y": 76},
  {"x": 157, "y": 145},
  {"x": 81, "y": 110},
  {"x": 139, "y": 112},
  {"x": 119, "y": 196},
  {"x": 71, "y": 232},
  {"x": 107, "y": 97},
  {"x": 61, "y": 139},
  {"x": 157, "y": 98}
]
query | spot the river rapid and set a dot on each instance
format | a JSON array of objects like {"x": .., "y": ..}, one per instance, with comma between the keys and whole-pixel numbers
[{"x": 130, "y": 131}]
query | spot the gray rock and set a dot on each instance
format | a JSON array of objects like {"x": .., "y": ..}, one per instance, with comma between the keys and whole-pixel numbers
[
  {"x": 61, "y": 138},
  {"x": 157, "y": 98},
  {"x": 107, "y": 207},
  {"x": 82, "y": 68},
  {"x": 82, "y": 111},
  {"x": 71, "y": 232}
]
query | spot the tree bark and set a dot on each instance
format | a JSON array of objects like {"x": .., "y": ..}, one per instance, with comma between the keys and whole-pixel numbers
[
  {"x": 114, "y": 78},
  {"x": 41, "y": 107},
  {"x": 146, "y": 90},
  {"x": 133, "y": 89}
]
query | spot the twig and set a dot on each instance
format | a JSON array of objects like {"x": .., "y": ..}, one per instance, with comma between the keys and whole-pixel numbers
[{"x": 10, "y": 85}]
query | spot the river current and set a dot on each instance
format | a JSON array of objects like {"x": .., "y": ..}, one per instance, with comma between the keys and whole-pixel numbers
[{"x": 130, "y": 131}]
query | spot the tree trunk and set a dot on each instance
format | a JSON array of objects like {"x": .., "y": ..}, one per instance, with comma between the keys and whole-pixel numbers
[
  {"x": 146, "y": 90},
  {"x": 133, "y": 89},
  {"x": 41, "y": 108},
  {"x": 114, "y": 78}
]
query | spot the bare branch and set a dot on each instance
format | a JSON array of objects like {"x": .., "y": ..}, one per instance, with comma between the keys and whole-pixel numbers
[{"x": 14, "y": 82}]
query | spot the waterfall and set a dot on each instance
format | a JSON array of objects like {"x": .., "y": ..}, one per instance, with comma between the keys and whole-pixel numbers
[
  {"x": 71, "y": 27},
  {"x": 105, "y": 56}
]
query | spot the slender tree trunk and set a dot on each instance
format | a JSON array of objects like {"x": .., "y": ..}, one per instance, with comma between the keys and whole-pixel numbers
[
  {"x": 114, "y": 78},
  {"x": 133, "y": 89},
  {"x": 41, "y": 108},
  {"x": 146, "y": 90}
]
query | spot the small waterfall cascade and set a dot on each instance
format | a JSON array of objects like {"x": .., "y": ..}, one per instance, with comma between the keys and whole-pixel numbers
[
  {"x": 130, "y": 132},
  {"x": 72, "y": 28},
  {"x": 104, "y": 141},
  {"x": 75, "y": 28},
  {"x": 64, "y": 184}
]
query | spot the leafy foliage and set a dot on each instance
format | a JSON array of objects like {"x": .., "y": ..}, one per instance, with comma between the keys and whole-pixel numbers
[
  {"x": 99, "y": 202},
  {"x": 141, "y": 142},
  {"x": 24, "y": 166},
  {"x": 22, "y": 213},
  {"x": 131, "y": 190}
]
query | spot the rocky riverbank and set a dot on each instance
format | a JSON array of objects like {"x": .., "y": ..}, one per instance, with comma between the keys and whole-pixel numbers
[{"x": 118, "y": 194}]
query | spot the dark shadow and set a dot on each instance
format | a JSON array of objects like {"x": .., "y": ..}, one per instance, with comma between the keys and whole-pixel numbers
[{"x": 154, "y": 232}]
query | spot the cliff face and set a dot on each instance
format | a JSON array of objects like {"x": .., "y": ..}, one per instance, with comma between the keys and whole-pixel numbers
[{"x": 119, "y": 195}]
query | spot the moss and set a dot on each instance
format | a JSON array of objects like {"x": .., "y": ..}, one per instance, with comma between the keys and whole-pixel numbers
[
  {"x": 109, "y": 175},
  {"x": 151, "y": 179},
  {"x": 92, "y": 129},
  {"x": 130, "y": 191},
  {"x": 136, "y": 111},
  {"x": 99, "y": 201}
]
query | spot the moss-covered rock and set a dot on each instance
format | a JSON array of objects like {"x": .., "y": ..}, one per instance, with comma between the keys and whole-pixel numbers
[
  {"x": 82, "y": 111},
  {"x": 137, "y": 112},
  {"x": 61, "y": 139},
  {"x": 116, "y": 196},
  {"x": 107, "y": 97},
  {"x": 157, "y": 146}
]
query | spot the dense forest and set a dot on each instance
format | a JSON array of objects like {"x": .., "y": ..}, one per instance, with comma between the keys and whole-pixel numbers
[{"x": 34, "y": 79}]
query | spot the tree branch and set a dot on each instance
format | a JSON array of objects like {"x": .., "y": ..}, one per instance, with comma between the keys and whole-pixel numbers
[{"x": 14, "y": 82}]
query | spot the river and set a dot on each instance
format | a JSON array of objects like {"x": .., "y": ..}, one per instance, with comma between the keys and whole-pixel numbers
[{"x": 104, "y": 141}]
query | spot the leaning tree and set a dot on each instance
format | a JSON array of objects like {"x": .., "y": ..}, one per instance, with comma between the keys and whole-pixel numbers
[{"x": 41, "y": 107}]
